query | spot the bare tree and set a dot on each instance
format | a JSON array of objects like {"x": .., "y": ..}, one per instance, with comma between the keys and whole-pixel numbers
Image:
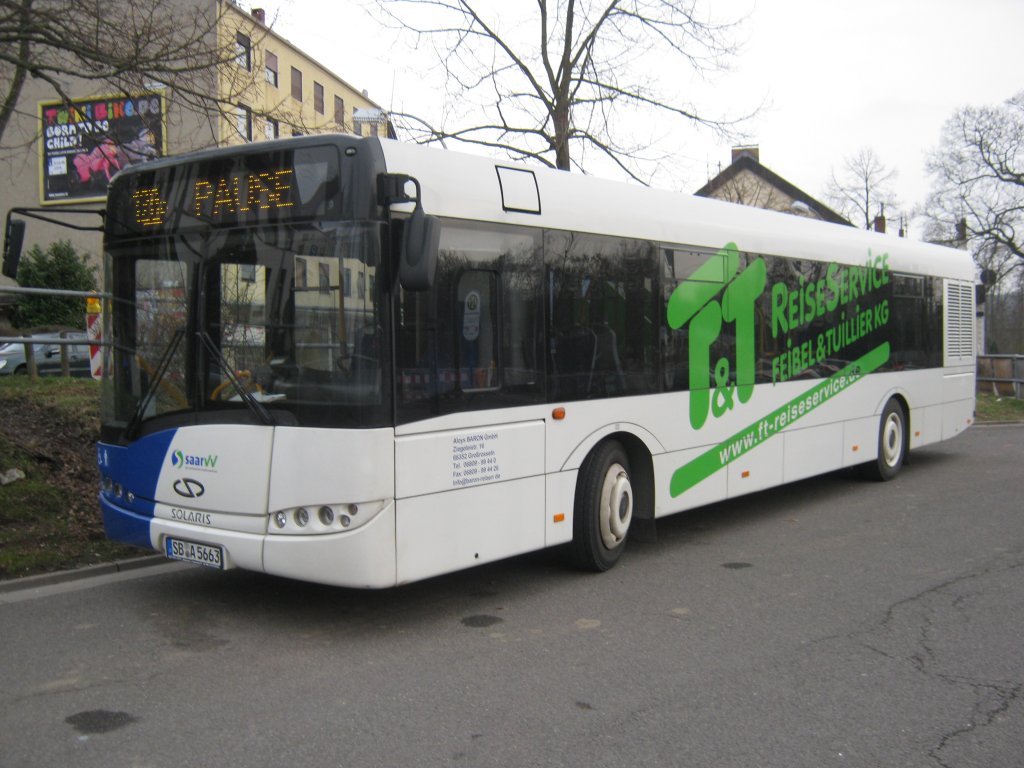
[
  {"x": 125, "y": 46},
  {"x": 977, "y": 202},
  {"x": 862, "y": 189},
  {"x": 573, "y": 77},
  {"x": 978, "y": 174}
]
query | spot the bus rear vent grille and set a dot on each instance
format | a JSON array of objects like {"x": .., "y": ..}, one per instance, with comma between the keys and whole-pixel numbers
[{"x": 959, "y": 322}]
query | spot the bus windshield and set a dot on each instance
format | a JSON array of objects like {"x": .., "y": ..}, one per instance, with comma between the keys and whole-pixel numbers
[{"x": 271, "y": 324}]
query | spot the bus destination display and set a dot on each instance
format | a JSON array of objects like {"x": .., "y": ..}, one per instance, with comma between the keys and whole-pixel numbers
[
  {"x": 237, "y": 190},
  {"x": 214, "y": 199}
]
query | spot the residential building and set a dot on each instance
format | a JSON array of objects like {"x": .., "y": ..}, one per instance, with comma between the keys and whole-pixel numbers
[
  {"x": 747, "y": 182},
  {"x": 61, "y": 156},
  {"x": 280, "y": 91}
]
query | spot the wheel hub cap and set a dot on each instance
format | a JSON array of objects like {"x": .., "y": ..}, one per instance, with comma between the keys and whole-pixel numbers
[{"x": 616, "y": 506}]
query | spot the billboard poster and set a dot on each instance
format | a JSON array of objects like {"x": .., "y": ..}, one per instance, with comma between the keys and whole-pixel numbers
[{"x": 85, "y": 142}]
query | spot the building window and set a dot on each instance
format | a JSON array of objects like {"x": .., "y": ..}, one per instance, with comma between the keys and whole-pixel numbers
[
  {"x": 243, "y": 122},
  {"x": 339, "y": 111},
  {"x": 318, "y": 98},
  {"x": 325, "y": 277},
  {"x": 374, "y": 129},
  {"x": 271, "y": 129},
  {"x": 296, "y": 84},
  {"x": 271, "y": 68},
  {"x": 297, "y": 132},
  {"x": 243, "y": 51}
]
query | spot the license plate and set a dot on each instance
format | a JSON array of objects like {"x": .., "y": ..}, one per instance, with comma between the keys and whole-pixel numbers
[{"x": 193, "y": 552}]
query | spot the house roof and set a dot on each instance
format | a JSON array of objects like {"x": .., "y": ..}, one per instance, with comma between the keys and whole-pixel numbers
[{"x": 747, "y": 162}]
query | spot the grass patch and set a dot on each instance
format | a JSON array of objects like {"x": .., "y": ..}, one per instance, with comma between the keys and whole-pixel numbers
[
  {"x": 992, "y": 408},
  {"x": 50, "y": 520},
  {"x": 79, "y": 396}
]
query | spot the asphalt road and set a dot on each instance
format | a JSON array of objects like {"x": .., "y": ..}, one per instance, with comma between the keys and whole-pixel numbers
[{"x": 832, "y": 622}]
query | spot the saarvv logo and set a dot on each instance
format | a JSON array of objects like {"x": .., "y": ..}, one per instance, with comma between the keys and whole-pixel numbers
[
  {"x": 181, "y": 460},
  {"x": 189, "y": 488}
]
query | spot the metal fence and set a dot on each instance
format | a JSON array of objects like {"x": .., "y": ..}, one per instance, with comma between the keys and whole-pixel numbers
[
  {"x": 63, "y": 341},
  {"x": 1001, "y": 375}
]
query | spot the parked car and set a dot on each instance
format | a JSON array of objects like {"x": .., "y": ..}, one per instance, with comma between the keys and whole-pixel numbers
[{"x": 47, "y": 355}]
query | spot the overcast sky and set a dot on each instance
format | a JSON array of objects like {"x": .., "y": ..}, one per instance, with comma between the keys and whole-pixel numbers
[{"x": 835, "y": 76}]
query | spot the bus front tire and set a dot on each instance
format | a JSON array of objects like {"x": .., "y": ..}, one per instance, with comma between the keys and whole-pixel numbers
[
  {"x": 603, "y": 508},
  {"x": 892, "y": 443}
]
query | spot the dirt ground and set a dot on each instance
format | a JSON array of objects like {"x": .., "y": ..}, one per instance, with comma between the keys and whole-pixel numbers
[
  {"x": 63, "y": 446},
  {"x": 50, "y": 520}
]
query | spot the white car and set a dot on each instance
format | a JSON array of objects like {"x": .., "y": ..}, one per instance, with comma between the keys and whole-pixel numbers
[{"x": 47, "y": 355}]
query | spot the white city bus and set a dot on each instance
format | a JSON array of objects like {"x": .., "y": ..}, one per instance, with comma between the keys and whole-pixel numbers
[{"x": 363, "y": 363}]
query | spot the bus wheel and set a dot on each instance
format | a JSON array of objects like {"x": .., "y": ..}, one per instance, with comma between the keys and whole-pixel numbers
[
  {"x": 892, "y": 443},
  {"x": 603, "y": 508}
]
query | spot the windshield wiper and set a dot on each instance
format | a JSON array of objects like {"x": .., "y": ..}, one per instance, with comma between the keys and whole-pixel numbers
[
  {"x": 251, "y": 402},
  {"x": 132, "y": 429}
]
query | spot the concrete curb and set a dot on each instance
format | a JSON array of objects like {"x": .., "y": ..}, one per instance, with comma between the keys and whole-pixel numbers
[{"x": 102, "y": 569}]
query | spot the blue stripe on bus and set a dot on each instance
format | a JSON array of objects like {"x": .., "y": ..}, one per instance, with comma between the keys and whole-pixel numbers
[
  {"x": 125, "y": 525},
  {"x": 136, "y": 467},
  {"x": 135, "y": 470}
]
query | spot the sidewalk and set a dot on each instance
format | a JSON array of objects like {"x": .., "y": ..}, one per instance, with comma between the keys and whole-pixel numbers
[{"x": 89, "y": 571}]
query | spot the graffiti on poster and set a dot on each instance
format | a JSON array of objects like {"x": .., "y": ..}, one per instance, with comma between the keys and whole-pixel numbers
[{"x": 84, "y": 143}]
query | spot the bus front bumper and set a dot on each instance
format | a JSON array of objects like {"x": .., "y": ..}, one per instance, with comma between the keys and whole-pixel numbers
[{"x": 362, "y": 558}]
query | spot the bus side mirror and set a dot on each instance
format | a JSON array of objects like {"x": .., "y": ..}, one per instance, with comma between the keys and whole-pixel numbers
[
  {"x": 14, "y": 239},
  {"x": 417, "y": 260}
]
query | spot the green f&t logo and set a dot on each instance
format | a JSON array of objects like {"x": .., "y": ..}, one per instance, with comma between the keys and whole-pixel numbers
[{"x": 714, "y": 294}]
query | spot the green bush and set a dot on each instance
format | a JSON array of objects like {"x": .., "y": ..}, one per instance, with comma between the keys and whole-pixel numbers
[{"x": 58, "y": 267}]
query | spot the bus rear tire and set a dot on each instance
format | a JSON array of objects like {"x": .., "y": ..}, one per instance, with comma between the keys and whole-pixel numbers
[
  {"x": 603, "y": 508},
  {"x": 892, "y": 443}
]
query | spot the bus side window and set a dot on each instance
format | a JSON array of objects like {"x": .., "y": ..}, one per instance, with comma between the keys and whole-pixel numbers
[
  {"x": 476, "y": 330},
  {"x": 680, "y": 266},
  {"x": 914, "y": 322},
  {"x": 416, "y": 348},
  {"x": 475, "y": 339},
  {"x": 602, "y": 310}
]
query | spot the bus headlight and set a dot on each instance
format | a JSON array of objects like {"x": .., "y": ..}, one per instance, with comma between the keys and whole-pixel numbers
[
  {"x": 329, "y": 518},
  {"x": 114, "y": 491}
]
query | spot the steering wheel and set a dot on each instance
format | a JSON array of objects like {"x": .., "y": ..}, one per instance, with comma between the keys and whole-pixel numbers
[{"x": 243, "y": 377}]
